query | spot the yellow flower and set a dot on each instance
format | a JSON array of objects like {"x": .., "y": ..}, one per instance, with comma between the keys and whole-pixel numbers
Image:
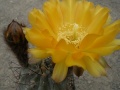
[{"x": 73, "y": 33}]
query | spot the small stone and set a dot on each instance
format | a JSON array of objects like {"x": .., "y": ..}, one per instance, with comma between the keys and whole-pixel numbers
[
  {"x": 11, "y": 1},
  {"x": 89, "y": 82}
]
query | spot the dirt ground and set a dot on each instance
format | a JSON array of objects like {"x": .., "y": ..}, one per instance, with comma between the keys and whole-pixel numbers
[{"x": 18, "y": 10}]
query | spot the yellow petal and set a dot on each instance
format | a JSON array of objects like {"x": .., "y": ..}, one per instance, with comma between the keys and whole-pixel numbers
[
  {"x": 84, "y": 14},
  {"x": 102, "y": 50},
  {"x": 71, "y": 7},
  {"x": 100, "y": 18},
  {"x": 38, "y": 20},
  {"x": 94, "y": 56},
  {"x": 71, "y": 61},
  {"x": 87, "y": 41},
  {"x": 110, "y": 33},
  {"x": 115, "y": 42},
  {"x": 57, "y": 55},
  {"x": 54, "y": 15},
  {"x": 109, "y": 20},
  {"x": 62, "y": 45},
  {"x": 59, "y": 72},
  {"x": 94, "y": 68},
  {"x": 37, "y": 55},
  {"x": 38, "y": 39},
  {"x": 68, "y": 10},
  {"x": 103, "y": 62}
]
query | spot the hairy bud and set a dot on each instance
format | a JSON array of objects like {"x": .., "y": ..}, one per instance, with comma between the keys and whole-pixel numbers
[{"x": 16, "y": 40}]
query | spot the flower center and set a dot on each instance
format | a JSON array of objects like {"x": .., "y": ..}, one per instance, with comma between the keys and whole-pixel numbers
[{"x": 72, "y": 33}]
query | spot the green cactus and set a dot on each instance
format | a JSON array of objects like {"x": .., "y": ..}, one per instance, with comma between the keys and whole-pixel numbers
[{"x": 38, "y": 77}]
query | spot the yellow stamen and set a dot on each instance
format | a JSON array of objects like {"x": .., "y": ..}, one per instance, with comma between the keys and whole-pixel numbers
[{"x": 72, "y": 33}]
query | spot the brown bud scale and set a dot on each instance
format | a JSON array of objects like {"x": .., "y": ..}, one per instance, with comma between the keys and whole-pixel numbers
[{"x": 16, "y": 40}]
